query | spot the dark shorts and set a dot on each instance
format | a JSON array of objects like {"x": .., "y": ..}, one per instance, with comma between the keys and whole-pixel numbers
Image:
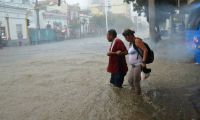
[{"x": 117, "y": 79}]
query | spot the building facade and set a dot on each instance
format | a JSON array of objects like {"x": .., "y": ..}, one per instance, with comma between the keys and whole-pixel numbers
[
  {"x": 96, "y": 10},
  {"x": 64, "y": 18},
  {"x": 13, "y": 15},
  {"x": 97, "y": 7},
  {"x": 119, "y": 7},
  {"x": 85, "y": 24}
]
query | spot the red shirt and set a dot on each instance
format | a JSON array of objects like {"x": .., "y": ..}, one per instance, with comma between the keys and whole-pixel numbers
[{"x": 117, "y": 64}]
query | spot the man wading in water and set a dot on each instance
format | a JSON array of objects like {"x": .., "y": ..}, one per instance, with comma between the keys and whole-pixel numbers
[{"x": 117, "y": 62}]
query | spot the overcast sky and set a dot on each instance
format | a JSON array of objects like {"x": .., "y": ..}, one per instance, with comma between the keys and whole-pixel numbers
[{"x": 83, "y": 3}]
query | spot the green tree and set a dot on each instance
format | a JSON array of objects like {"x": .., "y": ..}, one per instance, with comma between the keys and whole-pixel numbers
[{"x": 163, "y": 10}]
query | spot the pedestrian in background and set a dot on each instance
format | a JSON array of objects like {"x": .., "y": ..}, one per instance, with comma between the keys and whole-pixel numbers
[{"x": 196, "y": 50}]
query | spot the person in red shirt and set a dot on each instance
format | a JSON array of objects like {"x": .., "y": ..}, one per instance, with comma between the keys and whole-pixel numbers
[{"x": 117, "y": 65}]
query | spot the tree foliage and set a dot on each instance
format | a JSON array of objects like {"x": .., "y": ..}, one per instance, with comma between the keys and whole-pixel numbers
[{"x": 163, "y": 8}]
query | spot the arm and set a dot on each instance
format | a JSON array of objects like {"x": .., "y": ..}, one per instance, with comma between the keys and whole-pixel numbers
[
  {"x": 141, "y": 46},
  {"x": 123, "y": 50},
  {"x": 124, "y": 53},
  {"x": 118, "y": 53},
  {"x": 111, "y": 53}
]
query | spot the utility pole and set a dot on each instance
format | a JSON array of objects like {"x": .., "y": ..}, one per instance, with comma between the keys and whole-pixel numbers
[
  {"x": 59, "y": 2},
  {"x": 8, "y": 27},
  {"x": 106, "y": 14},
  {"x": 152, "y": 20},
  {"x": 179, "y": 3},
  {"x": 38, "y": 21}
]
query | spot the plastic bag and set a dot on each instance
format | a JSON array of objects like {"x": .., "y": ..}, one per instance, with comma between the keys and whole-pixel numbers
[
  {"x": 144, "y": 75},
  {"x": 145, "y": 84}
]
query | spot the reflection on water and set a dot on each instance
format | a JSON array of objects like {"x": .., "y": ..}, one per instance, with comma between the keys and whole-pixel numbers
[
  {"x": 195, "y": 100},
  {"x": 122, "y": 104},
  {"x": 155, "y": 104},
  {"x": 174, "y": 103}
]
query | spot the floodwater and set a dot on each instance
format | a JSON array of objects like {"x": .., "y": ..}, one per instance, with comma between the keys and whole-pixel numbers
[{"x": 68, "y": 81}]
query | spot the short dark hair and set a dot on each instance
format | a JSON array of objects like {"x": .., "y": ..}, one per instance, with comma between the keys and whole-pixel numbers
[
  {"x": 128, "y": 32},
  {"x": 112, "y": 32}
]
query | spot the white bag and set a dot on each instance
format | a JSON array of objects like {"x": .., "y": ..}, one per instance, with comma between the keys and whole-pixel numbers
[
  {"x": 144, "y": 75},
  {"x": 145, "y": 83}
]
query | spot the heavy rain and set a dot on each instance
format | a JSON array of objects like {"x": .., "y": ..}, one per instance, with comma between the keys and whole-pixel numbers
[{"x": 57, "y": 59}]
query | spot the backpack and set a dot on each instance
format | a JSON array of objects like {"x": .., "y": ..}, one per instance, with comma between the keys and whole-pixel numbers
[{"x": 150, "y": 56}]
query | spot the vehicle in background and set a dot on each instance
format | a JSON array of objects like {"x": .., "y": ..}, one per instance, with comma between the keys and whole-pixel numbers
[{"x": 193, "y": 32}]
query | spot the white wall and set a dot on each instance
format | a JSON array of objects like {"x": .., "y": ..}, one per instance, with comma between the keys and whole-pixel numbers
[
  {"x": 13, "y": 29},
  {"x": 16, "y": 16}
]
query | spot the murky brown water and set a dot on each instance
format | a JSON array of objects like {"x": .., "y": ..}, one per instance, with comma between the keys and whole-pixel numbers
[{"x": 68, "y": 81}]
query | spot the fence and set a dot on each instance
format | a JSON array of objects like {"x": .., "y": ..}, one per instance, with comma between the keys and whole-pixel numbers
[{"x": 44, "y": 36}]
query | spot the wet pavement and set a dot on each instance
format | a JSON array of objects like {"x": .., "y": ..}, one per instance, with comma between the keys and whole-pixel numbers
[{"x": 68, "y": 81}]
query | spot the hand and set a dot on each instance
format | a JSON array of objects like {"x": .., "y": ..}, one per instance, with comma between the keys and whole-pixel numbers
[
  {"x": 109, "y": 53},
  {"x": 143, "y": 65},
  {"x": 118, "y": 52},
  {"x": 114, "y": 53}
]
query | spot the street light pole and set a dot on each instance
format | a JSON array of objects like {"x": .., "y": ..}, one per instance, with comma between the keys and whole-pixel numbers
[
  {"x": 38, "y": 20},
  {"x": 106, "y": 14}
]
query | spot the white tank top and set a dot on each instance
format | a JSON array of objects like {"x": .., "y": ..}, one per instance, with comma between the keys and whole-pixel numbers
[{"x": 134, "y": 57}]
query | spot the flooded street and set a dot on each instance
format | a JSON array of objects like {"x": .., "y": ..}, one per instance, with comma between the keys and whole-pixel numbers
[{"x": 68, "y": 81}]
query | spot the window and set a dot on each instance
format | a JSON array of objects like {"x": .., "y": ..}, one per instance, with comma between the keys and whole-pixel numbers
[{"x": 3, "y": 33}]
